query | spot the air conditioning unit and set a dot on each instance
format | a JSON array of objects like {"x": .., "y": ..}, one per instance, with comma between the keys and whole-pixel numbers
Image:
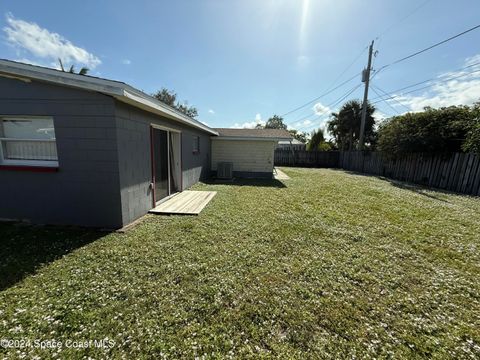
[{"x": 225, "y": 170}]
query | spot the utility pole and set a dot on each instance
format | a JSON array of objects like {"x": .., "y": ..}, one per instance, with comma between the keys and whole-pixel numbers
[{"x": 366, "y": 80}]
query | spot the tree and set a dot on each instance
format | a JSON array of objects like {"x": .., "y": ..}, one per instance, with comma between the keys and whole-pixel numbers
[
  {"x": 317, "y": 141},
  {"x": 83, "y": 71},
  {"x": 166, "y": 96},
  {"x": 448, "y": 129},
  {"x": 316, "y": 138},
  {"x": 169, "y": 98},
  {"x": 472, "y": 141},
  {"x": 344, "y": 126},
  {"x": 275, "y": 122},
  {"x": 298, "y": 135}
]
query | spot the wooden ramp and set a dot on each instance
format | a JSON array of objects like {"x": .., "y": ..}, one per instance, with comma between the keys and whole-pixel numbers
[
  {"x": 185, "y": 203},
  {"x": 280, "y": 175}
]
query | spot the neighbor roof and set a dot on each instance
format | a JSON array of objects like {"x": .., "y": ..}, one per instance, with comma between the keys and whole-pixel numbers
[
  {"x": 253, "y": 134},
  {"x": 292, "y": 142},
  {"x": 117, "y": 89}
]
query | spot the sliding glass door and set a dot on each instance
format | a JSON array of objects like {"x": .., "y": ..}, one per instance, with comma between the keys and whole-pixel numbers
[
  {"x": 166, "y": 163},
  {"x": 160, "y": 163}
]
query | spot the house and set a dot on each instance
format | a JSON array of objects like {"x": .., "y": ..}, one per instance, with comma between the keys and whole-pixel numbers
[
  {"x": 81, "y": 150},
  {"x": 251, "y": 151},
  {"x": 292, "y": 144}
]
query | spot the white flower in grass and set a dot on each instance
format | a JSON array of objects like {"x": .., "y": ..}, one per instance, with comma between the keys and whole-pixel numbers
[{"x": 16, "y": 329}]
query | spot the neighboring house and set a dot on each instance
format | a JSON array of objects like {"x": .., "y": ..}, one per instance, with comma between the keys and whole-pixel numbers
[
  {"x": 292, "y": 144},
  {"x": 80, "y": 150},
  {"x": 251, "y": 151}
]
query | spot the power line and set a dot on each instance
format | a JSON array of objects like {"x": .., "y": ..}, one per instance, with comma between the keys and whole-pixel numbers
[
  {"x": 333, "y": 104},
  {"x": 430, "y": 80},
  {"x": 379, "y": 37},
  {"x": 384, "y": 92},
  {"x": 429, "y": 48},
  {"x": 319, "y": 97},
  {"x": 349, "y": 66},
  {"x": 403, "y": 19},
  {"x": 424, "y": 87},
  {"x": 333, "y": 83},
  {"x": 427, "y": 81},
  {"x": 385, "y": 101},
  {"x": 382, "y": 68}
]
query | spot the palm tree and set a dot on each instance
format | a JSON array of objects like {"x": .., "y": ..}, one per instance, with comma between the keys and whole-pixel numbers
[
  {"x": 345, "y": 125},
  {"x": 83, "y": 71}
]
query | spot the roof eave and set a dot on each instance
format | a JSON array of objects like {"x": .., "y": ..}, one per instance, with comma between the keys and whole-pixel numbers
[
  {"x": 142, "y": 101},
  {"x": 256, "y": 138},
  {"x": 62, "y": 78},
  {"x": 120, "y": 91}
]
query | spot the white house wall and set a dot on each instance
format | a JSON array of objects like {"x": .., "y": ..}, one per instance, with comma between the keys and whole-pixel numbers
[{"x": 250, "y": 158}]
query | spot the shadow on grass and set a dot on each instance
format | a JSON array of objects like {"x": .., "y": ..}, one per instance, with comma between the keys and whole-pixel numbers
[
  {"x": 248, "y": 182},
  {"x": 416, "y": 188},
  {"x": 25, "y": 248}
]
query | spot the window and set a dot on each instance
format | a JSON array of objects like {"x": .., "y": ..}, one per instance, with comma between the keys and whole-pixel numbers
[
  {"x": 27, "y": 141},
  {"x": 196, "y": 144}
]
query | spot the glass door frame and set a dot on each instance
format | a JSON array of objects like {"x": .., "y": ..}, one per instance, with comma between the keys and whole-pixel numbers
[{"x": 168, "y": 130}]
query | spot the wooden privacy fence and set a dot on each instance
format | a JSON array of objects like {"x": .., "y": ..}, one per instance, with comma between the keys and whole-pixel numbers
[
  {"x": 303, "y": 158},
  {"x": 457, "y": 172}
]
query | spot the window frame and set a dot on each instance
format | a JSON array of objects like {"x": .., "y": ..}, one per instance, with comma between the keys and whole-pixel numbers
[
  {"x": 20, "y": 162},
  {"x": 196, "y": 141}
]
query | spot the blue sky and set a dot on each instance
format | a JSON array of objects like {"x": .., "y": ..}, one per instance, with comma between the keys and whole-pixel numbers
[{"x": 239, "y": 62}]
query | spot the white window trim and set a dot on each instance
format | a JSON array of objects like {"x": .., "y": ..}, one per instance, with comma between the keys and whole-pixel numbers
[{"x": 39, "y": 163}]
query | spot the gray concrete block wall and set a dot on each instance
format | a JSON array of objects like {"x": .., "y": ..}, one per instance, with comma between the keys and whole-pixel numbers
[
  {"x": 85, "y": 190},
  {"x": 103, "y": 147},
  {"x": 195, "y": 166},
  {"x": 133, "y": 136}
]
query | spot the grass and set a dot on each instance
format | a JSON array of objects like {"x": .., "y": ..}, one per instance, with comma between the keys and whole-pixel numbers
[{"x": 334, "y": 265}]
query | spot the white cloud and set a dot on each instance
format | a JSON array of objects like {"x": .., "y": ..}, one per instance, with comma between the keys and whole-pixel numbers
[
  {"x": 211, "y": 111},
  {"x": 126, "y": 62},
  {"x": 321, "y": 115},
  {"x": 463, "y": 90},
  {"x": 41, "y": 43},
  {"x": 249, "y": 124},
  {"x": 245, "y": 125},
  {"x": 308, "y": 124},
  {"x": 379, "y": 116},
  {"x": 321, "y": 109}
]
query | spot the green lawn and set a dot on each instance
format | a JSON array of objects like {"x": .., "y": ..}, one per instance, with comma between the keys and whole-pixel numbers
[{"x": 332, "y": 265}]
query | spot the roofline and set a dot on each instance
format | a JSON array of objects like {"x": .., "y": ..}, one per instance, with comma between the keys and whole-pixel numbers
[
  {"x": 255, "y": 138},
  {"x": 117, "y": 89},
  {"x": 292, "y": 141}
]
